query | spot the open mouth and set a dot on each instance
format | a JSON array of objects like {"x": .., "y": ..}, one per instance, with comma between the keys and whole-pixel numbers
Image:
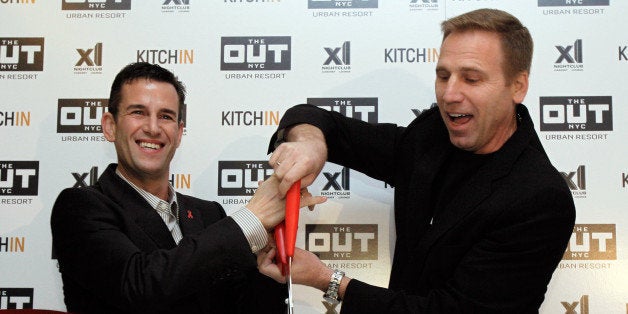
[
  {"x": 149, "y": 145},
  {"x": 459, "y": 117}
]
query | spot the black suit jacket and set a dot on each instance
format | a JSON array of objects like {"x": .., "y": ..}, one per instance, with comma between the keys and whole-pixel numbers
[
  {"x": 116, "y": 255},
  {"x": 492, "y": 249}
]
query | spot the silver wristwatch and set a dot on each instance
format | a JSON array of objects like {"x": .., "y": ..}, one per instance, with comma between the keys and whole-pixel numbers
[{"x": 331, "y": 296}]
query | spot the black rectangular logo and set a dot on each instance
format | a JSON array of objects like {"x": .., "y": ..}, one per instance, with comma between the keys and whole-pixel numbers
[
  {"x": 255, "y": 53},
  {"x": 576, "y": 113}
]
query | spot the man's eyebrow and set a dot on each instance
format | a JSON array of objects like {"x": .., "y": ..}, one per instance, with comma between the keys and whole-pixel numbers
[{"x": 135, "y": 106}]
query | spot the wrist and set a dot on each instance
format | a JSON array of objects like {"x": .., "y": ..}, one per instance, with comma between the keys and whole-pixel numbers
[{"x": 333, "y": 294}]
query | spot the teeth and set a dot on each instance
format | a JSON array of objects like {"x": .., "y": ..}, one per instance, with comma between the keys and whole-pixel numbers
[
  {"x": 149, "y": 145},
  {"x": 457, "y": 115}
]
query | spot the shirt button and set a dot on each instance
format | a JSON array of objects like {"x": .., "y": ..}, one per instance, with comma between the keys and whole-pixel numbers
[{"x": 254, "y": 248}]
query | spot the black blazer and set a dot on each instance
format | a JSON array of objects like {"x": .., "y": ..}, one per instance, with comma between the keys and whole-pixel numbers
[
  {"x": 116, "y": 255},
  {"x": 493, "y": 248}
]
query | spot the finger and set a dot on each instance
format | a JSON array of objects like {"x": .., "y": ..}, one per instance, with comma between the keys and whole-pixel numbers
[{"x": 312, "y": 200}]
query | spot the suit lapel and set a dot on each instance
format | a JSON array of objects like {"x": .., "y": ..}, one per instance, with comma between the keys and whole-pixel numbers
[
  {"x": 189, "y": 217},
  {"x": 136, "y": 207}
]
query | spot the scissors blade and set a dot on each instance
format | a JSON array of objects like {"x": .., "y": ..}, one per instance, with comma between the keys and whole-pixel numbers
[{"x": 290, "y": 299}]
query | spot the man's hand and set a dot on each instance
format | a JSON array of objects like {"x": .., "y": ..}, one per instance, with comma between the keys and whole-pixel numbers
[
  {"x": 270, "y": 207},
  {"x": 307, "y": 269},
  {"x": 302, "y": 157}
]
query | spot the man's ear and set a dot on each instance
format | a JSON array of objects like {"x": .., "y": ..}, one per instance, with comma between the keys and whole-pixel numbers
[
  {"x": 520, "y": 87},
  {"x": 108, "y": 124}
]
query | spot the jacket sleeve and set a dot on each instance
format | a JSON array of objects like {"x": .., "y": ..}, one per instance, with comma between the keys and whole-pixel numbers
[
  {"x": 365, "y": 147},
  {"x": 94, "y": 248}
]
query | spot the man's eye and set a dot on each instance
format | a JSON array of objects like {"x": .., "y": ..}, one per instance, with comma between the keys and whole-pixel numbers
[{"x": 167, "y": 117}]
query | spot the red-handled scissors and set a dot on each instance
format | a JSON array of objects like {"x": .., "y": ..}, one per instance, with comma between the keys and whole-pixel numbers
[{"x": 286, "y": 237}]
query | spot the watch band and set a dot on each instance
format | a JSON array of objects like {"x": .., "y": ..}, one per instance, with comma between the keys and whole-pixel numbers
[{"x": 331, "y": 296}]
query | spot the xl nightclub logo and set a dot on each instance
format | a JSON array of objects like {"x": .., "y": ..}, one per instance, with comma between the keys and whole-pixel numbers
[
  {"x": 90, "y": 60},
  {"x": 576, "y": 180},
  {"x": 577, "y": 113},
  {"x": 362, "y": 108},
  {"x": 21, "y": 54},
  {"x": 577, "y": 307},
  {"x": 570, "y": 57},
  {"x": 337, "y": 184},
  {"x": 179, "y": 6},
  {"x": 240, "y": 178},
  {"x": 19, "y": 178},
  {"x": 96, "y": 5},
  {"x": 255, "y": 53},
  {"x": 419, "y": 5},
  {"x": 16, "y": 298},
  {"x": 338, "y": 59},
  {"x": 342, "y": 241},
  {"x": 592, "y": 242}
]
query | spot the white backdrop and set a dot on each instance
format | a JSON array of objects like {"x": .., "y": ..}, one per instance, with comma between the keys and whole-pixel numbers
[{"x": 367, "y": 58}]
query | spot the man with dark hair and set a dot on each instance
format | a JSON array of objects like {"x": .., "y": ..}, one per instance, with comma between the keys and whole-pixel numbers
[
  {"x": 131, "y": 244},
  {"x": 481, "y": 215}
]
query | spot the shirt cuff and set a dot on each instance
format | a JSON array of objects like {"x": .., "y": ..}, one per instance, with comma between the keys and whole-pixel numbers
[{"x": 252, "y": 228}]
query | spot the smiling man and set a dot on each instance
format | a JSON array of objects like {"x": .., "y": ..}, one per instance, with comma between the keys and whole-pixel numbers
[
  {"x": 482, "y": 218},
  {"x": 131, "y": 244}
]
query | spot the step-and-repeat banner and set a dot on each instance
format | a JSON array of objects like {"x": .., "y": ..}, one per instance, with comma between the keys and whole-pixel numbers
[{"x": 245, "y": 62}]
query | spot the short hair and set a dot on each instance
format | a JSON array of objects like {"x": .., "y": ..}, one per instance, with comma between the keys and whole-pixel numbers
[
  {"x": 516, "y": 41},
  {"x": 148, "y": 71}
]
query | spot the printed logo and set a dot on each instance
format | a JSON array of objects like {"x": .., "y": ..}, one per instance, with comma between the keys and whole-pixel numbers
[
  {"x": 576, "y": 180},
  {"x": 240, "y": 178},
  {"x": 341, "y": 4},
  {"x": 250, "y": 118},
  {"x": 96, "y": 5},
  {"x": 420, "y": 5},
  {"x": 622, "y": 56},
  {"x": 418, "y": 112},
  {"x": 180, "y": 6},
  {"x": 82, "y": 179},
  {"x": 256, "y": 53},
  {"x": 181, "y": 181},
  {"x": 19, "y": 178},
  {"x": 16, "y": 298},
  {"x": 362, "y": 108},
  {"x": 410, "y": 55},
  {"x": 90, "y": 60},
  {"x": 577, "y": 307},
  {"x": 567, "y": 3},
  {"x": 165, "y": 56},
  {"x": 81, "y": 115},
  {"x": 15, "y": 118},
  {"x": 624, "y": 179},
  {"x": 338, "y": 59},
  {"x": 17, "y": 2},
  {"x": 342, "y": 241},
  {"x": 576, "y": 113},
  {"x": 337, "y": 184},
  {"x": 22, "y": 54},
  {"x": 12, "y": 245},
  {"x": 592, "y": 242},
  {"x": 570, "y": 57}
]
